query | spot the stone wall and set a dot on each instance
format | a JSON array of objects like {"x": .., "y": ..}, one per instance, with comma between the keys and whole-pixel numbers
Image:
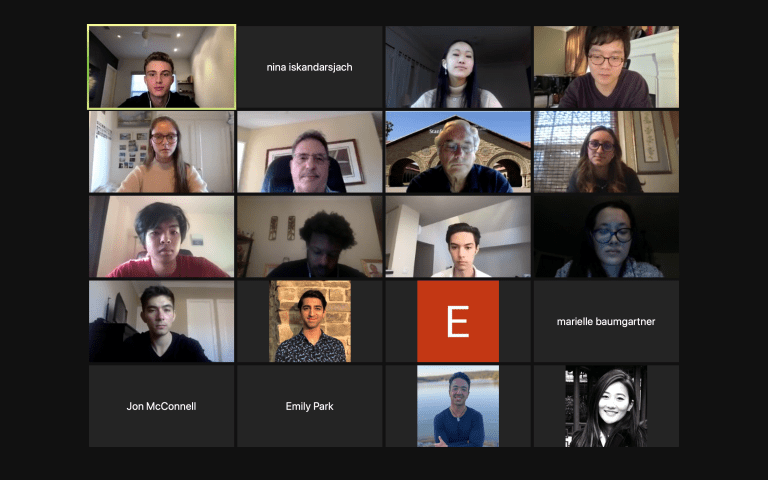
[
  {"x": 421, "y": 149},
  {"x": 285, "y": 319}
]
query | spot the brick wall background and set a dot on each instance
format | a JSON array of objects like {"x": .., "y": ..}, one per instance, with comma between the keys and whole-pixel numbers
[{"x": 285, "y": 319}]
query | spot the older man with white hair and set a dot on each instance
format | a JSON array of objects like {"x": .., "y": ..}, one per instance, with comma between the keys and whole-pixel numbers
[{"x": 456, "y": 145}]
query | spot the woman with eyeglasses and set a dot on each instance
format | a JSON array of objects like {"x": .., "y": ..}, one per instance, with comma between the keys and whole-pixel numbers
[
  {"x": 608, "y": 84},
  {"x": 457, "y": 82},
  {"x": 610, "y": 247},
  {"x": 600, "y": 167},
  {"x": 612, "y": 415},
  {"x": 164, "y": 171}
]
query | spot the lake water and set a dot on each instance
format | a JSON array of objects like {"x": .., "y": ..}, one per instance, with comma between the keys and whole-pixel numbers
[{"x": 432, "y": 398}]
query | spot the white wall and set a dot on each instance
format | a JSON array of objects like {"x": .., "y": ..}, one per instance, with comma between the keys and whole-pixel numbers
[
  {"x": 549, "y": 51},
  {"x": 360, "y": 127},
  {"x": 405, "y": 225},
  {"x": 101, "y": 292},
  {"x": 254, "y": 215},
  {"x": 213, "y": 68}
]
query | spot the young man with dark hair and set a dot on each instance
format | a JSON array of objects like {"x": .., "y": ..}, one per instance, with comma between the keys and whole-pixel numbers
[
  {"x": 463, "y": 244},
  {"x": 161, "y": 227},
  {"x": 311, "y": 344},
  {"x": 159, "y": 77},
  {"x": 159, "y": 344},
  {"x": 458, "y": 425},
  {"x": 607, "y": 85},
  {"x": 326, "y": 235}
]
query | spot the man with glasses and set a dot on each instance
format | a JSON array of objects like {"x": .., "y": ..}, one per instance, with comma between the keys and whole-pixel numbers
[
  {"x": 607, "y": 85},
  {"x": 310, "y": 163},
  {"x": 159, "y": 77},
  {"x": 456, "y": 146}
]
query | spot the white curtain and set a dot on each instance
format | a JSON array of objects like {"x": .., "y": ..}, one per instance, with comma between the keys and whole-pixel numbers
[
  {"x": 423, "y": 79},
  {"x": 398, "y": 76}
]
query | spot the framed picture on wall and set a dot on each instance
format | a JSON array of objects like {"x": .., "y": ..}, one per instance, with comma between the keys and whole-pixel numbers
[
  {"x": 345, "y": 152},
  {"x": 372, "y": 267},
  {"x": 275, "y": 153}
]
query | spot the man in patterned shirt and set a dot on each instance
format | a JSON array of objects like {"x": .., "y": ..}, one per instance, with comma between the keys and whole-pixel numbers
[{"x": 311, "y": 344}]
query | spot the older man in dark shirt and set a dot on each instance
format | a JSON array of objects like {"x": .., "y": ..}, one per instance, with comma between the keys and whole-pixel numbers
[{"x": 456, "y": 146}]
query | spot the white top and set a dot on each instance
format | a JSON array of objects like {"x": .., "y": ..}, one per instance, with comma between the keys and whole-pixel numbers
[
  {"x": 155, "y": 179},
  {"x": 487, "y": 99},
  {"x": 449, "y": 273}
]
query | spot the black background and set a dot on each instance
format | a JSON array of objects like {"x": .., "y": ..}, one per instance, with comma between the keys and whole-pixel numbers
[{"x": 258, "y": 47}]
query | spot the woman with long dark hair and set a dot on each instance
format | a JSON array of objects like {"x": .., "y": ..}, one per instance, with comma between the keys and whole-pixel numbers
[
  {"x": 610, "y": 246},
  {"x": 600, "y": 167},
  {"x": 457, "y": 85},
  {"x": 164, "y": 170},
  {"x": 612, "y": 415}
]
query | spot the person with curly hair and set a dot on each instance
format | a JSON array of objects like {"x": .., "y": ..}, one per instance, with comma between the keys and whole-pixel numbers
[{"x": 326, "y": 236}]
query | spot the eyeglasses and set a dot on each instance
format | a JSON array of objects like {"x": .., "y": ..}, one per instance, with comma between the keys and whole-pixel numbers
[
  {"x": 454, "y": 147},
  {"x": 603, "y": 235},
  {"x": 157, "y": 138},
  {"x": 594, "y": 145},
  {"x": 303, "y": 158},
  {"x": 612, "y": 61}
]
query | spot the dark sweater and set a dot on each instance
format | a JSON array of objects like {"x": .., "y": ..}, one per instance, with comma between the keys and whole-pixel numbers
[
  {"x": 175, "y": 101},
  {"x": 479, "y": 179},
  {"x": 138, "y": 348}
]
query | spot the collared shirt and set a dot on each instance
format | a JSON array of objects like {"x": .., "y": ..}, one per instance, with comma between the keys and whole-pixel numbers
[
  {"x": 479, "y": 179},
  {"x": 327, "y": 190},
  {"x": 631, "y": 268},
  {"x": 299, "y": 349},
  {"x": 175, "y": 100},
  {"x": 449, "y": 273}
]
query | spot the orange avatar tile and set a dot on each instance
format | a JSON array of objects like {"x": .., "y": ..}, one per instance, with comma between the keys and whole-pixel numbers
[{"x": 458, "y": 321}]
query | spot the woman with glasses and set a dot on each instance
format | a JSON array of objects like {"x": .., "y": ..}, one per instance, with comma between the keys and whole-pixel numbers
[
  {"x": 612, "y": 415},
  {"x": 608, "y": 84},
  {"x": 164, "y": 171},
  {"x": 457, "y": 82},
  {"x": 610, "y": 247},
  {"x": 600, "y": 167}
]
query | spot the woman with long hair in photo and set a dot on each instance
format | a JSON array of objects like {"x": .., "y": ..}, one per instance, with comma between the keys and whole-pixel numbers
[
  {"x": 610, "y": 246},
  {"x": 164, "y": 170},
  {"x": 612, "y": 415},
  {"x": 600, "y": 167},
  {"x": 457, "y": 85}
]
